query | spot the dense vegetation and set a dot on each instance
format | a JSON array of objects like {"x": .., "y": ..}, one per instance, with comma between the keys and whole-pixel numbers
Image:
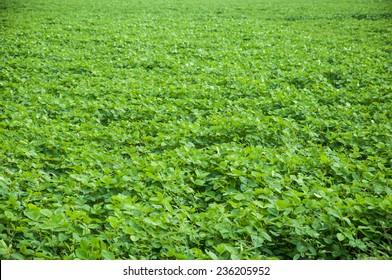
[{"x": 156, "y": 129}]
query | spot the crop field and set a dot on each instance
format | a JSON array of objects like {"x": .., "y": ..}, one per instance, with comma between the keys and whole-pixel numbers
[{"x": 185, "y": 129}]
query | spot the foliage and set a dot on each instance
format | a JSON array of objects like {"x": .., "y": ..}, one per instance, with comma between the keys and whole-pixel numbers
[{"x": 195, "y": 129}]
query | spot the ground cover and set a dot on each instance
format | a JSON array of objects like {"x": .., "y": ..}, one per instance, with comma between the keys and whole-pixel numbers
[{"x": 195, "y": 130}]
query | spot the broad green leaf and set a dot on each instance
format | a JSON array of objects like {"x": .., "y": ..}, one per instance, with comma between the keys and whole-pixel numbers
[
  {"x": 340, "y": 236},
  {"x": 46, "y": 212},
  {"x": 239, "y": 197},
  {"x": 107, "y": 255},
  {"x": 82, "y": 254},
  {"x": 281, "y": 204},
  {"x": 265, "y": 235},
  {"x": 199, "y": 182},
  {"x": 33, "y": 214}
]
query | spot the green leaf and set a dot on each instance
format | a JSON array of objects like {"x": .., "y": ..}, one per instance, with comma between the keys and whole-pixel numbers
[
  {"x": 3, "y": 245},
  {"x": 46, "y": 212},
  {"x": 239, "y": 197},
  {"x": 212, "y": 255},
  {"x": 85, "y": 244},
  {"x": 340, "y": 236},
  {"x": 199, "y": 182},
  {"x": 281, "y": 204},
  {"x": 107, "y": 255},
  {"x": 265, "y": 235},
  {"x": 17, "y": 256},
  {"x": 10, "y": 215},
  {"x": 33, "y": 214},
  {"x": 82, "y": 254},
  {"x": 324, "y": 158}
]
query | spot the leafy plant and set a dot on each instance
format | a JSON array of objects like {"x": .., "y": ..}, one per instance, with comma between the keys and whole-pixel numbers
[{"x": 195, "y": 130}]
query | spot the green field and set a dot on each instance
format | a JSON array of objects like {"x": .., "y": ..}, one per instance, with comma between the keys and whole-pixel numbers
[{"x": 195, "y": 129}]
